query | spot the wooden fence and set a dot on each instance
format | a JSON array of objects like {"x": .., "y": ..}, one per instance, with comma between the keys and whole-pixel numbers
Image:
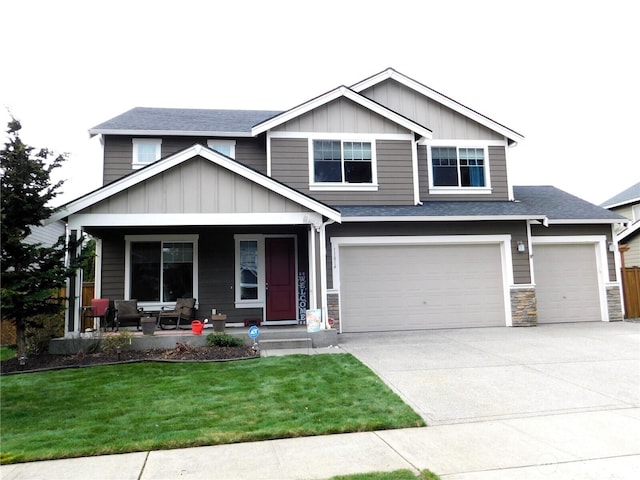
[
  {"x": 8, "y": 329},
  {"x": 631, "y": 288}
]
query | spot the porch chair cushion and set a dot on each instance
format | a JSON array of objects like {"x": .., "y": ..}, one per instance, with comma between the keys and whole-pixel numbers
[
  {"x": 128, "y": 313},
  {"x": 184, "y": 310},
  {"x": 101, "y": 311}
]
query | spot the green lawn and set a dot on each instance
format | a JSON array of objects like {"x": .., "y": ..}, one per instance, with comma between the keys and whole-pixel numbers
[
  {"x": 7, "y": 352},
  {"x": 148, "y": 406}
]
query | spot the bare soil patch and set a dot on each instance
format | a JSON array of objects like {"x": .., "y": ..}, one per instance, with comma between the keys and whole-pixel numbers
[{"x": 182, "y": 353}]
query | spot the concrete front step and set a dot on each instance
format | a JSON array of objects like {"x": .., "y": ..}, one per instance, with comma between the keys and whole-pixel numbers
[{"x": 284, "y": 343}]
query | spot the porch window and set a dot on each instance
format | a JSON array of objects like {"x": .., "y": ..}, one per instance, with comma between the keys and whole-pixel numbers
[
  {"x": 146, "y": 151},
  {"x": 161, "y": 271},
  {"x": 250, "y": 272}
]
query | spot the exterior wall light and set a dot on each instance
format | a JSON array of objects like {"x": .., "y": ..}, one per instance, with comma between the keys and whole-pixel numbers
[
  {"x": 521, "y": 246},
  {"x": 612, "y": 247}
]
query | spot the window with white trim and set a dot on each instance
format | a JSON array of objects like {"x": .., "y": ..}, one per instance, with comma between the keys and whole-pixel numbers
[
  {"x": 635, "y": 212},
  {"x": 343, "y": 162},
  {"x": 161, "y": 269},
  {"x": 225, "y": 147},
  {"x": 146, "y": 151},
  {"x": 459, "y": 168},
  {"x": 250, "y": 273}
]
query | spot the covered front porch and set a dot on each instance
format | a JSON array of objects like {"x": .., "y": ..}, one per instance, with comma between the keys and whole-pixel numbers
[{"x": 199, "y": 225}]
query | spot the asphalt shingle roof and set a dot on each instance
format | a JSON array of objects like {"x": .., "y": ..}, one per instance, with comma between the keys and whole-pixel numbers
[
  {"x": 534, "y": 201},
  {"x": 145, "y": 119},
  {"x": 631, "y": 193}
]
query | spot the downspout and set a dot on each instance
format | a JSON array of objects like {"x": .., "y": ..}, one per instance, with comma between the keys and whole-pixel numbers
[{"x": 323, "y": 273}]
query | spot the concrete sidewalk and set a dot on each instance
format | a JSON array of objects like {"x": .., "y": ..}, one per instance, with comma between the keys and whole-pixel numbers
[{"x": 588, "y": 445}]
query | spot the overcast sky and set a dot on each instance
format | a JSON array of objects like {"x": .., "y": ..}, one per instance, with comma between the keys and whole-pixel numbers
[{"x": 562, "y": 73}]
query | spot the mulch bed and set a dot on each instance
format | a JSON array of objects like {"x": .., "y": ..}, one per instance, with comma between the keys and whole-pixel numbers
[{"x": 182, "y": 353}]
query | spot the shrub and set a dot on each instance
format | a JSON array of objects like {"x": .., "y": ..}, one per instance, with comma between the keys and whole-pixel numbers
[
  {"x": 40, "y": 330},
  {"x": 223, "y": 340},
  {"x": 111, "y": 343}
]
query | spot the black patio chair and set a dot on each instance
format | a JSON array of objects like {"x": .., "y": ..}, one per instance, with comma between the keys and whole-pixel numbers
[
  {"x": 184, "y": 310},
  {"x": 128, "y": 314}
]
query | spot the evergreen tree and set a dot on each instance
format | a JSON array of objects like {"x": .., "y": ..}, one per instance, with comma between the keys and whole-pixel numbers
[{"x": 31, "y": 274}]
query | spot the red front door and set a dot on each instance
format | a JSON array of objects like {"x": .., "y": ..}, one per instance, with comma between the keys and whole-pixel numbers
[{"x": 281, "y": 278}]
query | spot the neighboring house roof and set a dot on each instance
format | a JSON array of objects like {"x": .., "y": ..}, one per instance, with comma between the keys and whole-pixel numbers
[
  {"x": 512, "y": 135},
  {"x": 183, "y": 121},
  {"x": 175, "y": 159},
  {"x": 334, "y": 94},
  {"x": 630, "y": 195},
  {"x": 545, "y": 203}
]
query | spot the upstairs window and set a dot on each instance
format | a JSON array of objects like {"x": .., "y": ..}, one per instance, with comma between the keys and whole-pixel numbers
[
  {"x": 146, "y": 151},
  {"x": 458, "y": 167},
  {"x": 225, "y": 147},
  {"x": 342, "y": 162}
]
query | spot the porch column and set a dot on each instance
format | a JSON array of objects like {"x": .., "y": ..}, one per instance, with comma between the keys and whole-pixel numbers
[
  {"x": 74, "y": 286},
  {"x": 313, "y": 262},
  {"x": 323, "y": 274}
]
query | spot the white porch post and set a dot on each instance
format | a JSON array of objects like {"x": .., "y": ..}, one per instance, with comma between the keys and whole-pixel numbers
[
  {"x": 313, "y": 259},
  {"x": 323, "y": 275},
  {"x": 73, "y": 325}
]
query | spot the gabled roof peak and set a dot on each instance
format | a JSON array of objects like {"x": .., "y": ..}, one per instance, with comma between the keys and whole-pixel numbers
[{"x": 391, "y": 73}]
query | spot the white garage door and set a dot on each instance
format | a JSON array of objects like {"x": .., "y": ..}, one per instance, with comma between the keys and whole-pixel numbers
[
  {"x": 417, "y": 287},
  {"x": 566, "y": 283}
]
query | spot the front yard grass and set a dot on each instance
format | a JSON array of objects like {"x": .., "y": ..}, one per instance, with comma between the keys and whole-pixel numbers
[
  {"x": 7, "y": 352},
  {"x": 151, "y": 406}
]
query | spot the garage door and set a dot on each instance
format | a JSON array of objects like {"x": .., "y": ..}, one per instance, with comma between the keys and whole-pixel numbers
[
  {"x": 566, "y": 283},
  {"x": 417, "y": 287}
]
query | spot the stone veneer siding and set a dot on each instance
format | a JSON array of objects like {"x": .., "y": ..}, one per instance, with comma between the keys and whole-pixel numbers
[
  {"x": 524, "y": 312},
  {"x": 614, "y": 304},
  {"x": 333, "y": 305}
]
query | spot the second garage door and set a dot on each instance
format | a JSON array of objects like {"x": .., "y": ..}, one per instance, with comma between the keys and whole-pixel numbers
[
  {"x": 415, "y": 287},
  {"x": 566, "y": 283}
]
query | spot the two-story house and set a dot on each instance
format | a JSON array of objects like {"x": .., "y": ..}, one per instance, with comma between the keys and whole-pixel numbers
[{"x": 385, "y": 204}]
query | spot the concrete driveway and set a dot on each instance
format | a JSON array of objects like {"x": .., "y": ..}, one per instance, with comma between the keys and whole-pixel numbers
[{"x": 480, "y": 374}]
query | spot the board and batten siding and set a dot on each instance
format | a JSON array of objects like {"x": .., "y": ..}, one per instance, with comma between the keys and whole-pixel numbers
[
  {"x": 517, "y": 230},
  {"x": 444, "y": 122},
  {"x": 497, "y": 174},
  {"x": 118, "y": 153},
  {"x": 290, "y": 165},
  {"x": 196, "y": 186},
  {"x": 341, "y": 115}
]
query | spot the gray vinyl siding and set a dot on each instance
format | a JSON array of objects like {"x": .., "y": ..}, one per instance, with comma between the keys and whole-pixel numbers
[
  {"x": 290, "y": 165},
  {"x": 112, "y": 265},
  {"x": 196, "y": 186},
  {"x": 46, "y": 235},
  {"x": 517, "y": 230},
  {"x": 444, "y": 122},
  {"x": 341, "y": 115},
  {"x": 497, "y": 174},
  {"x": 579, "y": 230},
  {"x": 118, "y": 153}
]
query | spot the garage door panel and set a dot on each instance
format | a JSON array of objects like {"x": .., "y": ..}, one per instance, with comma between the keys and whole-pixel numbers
[
  {"x": 393, "y": 287},
  {"x": 566, "y": 283}
]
